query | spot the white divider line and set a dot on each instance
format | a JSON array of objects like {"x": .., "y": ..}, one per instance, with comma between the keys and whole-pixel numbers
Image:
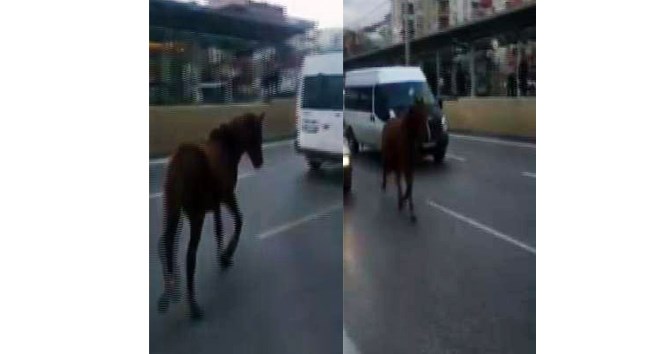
[
  {"x": 160, "y": 161},
  {"x": 289, "y": 225},
  {"x": 456, "y": 157},
  {"x": 348, "y": 346},
  {"x": 482, "y": 227},
  {"x": 277, "y": 143},
  {"x": 494, "y": 141},
  {"x": 528, "y": 174},
  {"x": 271, "y": 145},
  {"x": 239, "y": 178}
]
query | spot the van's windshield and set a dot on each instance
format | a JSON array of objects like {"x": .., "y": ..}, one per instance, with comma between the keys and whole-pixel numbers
[
  {"x": 323, "y": 92},
  {"x": 400, "y": 96}
]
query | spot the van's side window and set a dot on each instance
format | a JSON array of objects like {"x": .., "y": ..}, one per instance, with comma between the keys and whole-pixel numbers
[
  {"x": 364, "y": 99},
  {"x": 358, "y": 98},
  {"x": 382, "y": 111},
  {"x": 350, "y": 101}
]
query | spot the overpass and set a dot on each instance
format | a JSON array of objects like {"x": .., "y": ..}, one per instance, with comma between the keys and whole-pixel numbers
[
  {"x": 483, "y": 69},
  {"x": 510, "y": 26},
  {"x": 201, "y": 55}
]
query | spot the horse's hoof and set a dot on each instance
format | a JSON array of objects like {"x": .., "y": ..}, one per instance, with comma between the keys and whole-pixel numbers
[
  {"x": 163, "y": 303},
  {"x": 172, "y": 289},
  {"x": 413, "y": 218},
  {"x": 226, "y": 262},
  {"x": 195, "y": 312}
]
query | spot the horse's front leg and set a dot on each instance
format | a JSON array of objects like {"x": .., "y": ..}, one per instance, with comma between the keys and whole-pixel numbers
[
  {"x": 167, "y": 244},
  {"x": 196, "y": 221},
  {"x": 226, "y": 259},
  {"x": 219, "y": 232}
]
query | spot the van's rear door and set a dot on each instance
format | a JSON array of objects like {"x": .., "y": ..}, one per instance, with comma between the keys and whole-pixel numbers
[{"x": 321, "y": 113}]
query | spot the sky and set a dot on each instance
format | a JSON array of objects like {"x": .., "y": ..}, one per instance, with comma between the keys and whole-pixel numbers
[
  {"x": 333, "y": 13},
  {"x": 361, "y": 13},
  {"x": 327, "y": 13}
]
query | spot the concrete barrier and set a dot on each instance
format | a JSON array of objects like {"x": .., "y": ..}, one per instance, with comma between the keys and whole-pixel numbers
[
  {"x": 509, "y": 116},
  {"x": 171, "y": 126}
]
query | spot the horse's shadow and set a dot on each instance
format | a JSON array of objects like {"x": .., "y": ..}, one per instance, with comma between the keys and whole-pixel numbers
[
  {"x": 327, "y": 174},
  {"x": 373, "y": 160}
]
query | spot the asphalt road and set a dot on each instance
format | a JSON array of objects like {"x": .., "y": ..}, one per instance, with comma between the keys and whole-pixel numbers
[
  {"x": 460, "y": 280},
  {"x": 284, "y": 292}
]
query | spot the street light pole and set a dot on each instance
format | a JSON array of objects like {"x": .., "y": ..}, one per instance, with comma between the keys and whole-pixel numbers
[{"x": 407, "y": 14}]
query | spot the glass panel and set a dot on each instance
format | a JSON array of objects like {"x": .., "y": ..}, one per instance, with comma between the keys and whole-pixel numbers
[{"x": 323, "y": 92}]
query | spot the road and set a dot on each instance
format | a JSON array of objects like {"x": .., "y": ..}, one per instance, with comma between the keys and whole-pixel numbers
[
  {"x": 284, "y": 292},
  {"x": 460, "y": 280}
]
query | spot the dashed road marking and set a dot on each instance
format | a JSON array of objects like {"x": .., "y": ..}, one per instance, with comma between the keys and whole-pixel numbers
[
  {"x": 239, "y": 177},
  {"x": 348, "y": 346},
  {"x": 271, "y": 145},
  {"x": 456, "y": 157},
  {"x": 494, "y": 141},
  {"x": 482, "y": 227},
  {"x": 289, "y": 225},
  {"x": 528, "y": 174}
]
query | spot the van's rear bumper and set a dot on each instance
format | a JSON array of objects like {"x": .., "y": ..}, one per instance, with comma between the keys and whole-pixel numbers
[{"x": 318, "y": 154}]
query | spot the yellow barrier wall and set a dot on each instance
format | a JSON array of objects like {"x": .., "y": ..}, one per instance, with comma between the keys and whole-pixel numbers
[
  {"x": 173, "y": 125},
  {"x": 513, "y": 116}
]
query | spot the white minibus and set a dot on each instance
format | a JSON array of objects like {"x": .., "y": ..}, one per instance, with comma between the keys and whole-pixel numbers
[{"x": 374, "y": 95}]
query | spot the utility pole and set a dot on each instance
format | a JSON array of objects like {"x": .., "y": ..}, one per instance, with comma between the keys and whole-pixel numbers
[{"x": 407, "y": 14}]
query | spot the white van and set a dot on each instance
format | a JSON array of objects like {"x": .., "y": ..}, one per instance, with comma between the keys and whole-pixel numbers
[
  {"x": 374, "y": 95},
  {"x": 320, "y": 109}
]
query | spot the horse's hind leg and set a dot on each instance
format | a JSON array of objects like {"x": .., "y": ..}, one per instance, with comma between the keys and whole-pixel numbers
[
  {"x": 409, "y": 194},
  {"x": 384, "y": 186},
  {"x": 397, "y": 179},
  {"x": 167, "y": 256},
  {"x": 196, "y": 221},
  {"x": 226, "y": 259},
  {"x": 219, "y": 232}
]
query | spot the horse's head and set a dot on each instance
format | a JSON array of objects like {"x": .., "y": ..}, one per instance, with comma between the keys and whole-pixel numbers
[
  {"x": 252, "y": 133},
  {"x": 416, "y": 120},
  {"x": 243, "y": 134}
]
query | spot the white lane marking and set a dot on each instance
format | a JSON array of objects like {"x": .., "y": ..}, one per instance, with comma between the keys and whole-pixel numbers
[
  {"x": 239, "y": 178},
  {"x": 271, "y": 145},
  {"x": 348, "y": 345},
  {"x": 528, "y": 174},
  {"x": 494, "y": 141},
  {"x": 160, "y": 161},
  {"x": 456, "y": 157},
  {"x": 289, "y": 225},
  {"x": 245, "y": 175},
  {"x": 278, "y": 143},
  {"x": 482, "y": 227}
]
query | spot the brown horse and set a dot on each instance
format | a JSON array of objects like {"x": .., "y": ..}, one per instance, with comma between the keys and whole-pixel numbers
[
  {"x": 199, "y": 179},
  {"x": 401, "y": 140}
]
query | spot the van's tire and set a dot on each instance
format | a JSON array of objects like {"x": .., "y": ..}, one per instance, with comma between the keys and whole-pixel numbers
[
  {"x": 314, "y": 165},
  {"x": 353, "y": 145},
  {"x": 439, "y": 154}
]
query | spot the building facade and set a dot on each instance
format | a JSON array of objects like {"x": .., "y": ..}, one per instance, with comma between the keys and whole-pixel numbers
[{"x": 431, "y": 16}]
